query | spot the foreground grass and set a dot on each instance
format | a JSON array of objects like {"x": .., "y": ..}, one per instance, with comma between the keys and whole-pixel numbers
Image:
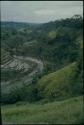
[{"x": 61, "y": 112}]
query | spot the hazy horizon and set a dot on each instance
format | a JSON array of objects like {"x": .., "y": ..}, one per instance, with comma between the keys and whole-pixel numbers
[{"x": 39, "y": 11}]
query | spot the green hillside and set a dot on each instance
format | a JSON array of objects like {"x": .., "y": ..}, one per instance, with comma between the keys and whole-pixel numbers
[
  {"x": 61, "y": 84},
  {"x": 64, "y": 112}
]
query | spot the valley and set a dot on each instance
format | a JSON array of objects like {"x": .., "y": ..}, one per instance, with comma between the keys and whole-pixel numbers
[{"x": 42, "y": 72}]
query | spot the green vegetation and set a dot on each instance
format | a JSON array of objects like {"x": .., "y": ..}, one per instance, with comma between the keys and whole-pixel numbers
[
  {"x": 27, "y": 93},
  {"x": 64, "y": 112},
  {"x": 61, "y": 84},
  {"x": 52, "y": 94}
]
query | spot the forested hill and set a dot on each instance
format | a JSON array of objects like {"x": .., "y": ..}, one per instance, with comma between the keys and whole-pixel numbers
[{"x": 56, "y": 41}]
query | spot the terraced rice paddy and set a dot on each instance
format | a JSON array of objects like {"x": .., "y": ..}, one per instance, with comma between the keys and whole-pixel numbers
[{"x": 18, "y": 70}]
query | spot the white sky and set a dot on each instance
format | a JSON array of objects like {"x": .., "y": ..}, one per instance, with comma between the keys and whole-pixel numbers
[{"x": 39, "y": 11}]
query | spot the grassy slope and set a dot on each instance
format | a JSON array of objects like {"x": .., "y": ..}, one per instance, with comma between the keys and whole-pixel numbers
[
  {"x": 68, "y": 111},
  {"x": 61, "y": 84}
]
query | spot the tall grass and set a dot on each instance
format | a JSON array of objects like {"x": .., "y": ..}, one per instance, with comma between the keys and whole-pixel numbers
[{"x": 63, "y": 112}]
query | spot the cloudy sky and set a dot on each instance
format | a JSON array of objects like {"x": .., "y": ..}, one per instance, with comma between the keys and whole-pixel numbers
[{"x": 39, "y": 11}]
